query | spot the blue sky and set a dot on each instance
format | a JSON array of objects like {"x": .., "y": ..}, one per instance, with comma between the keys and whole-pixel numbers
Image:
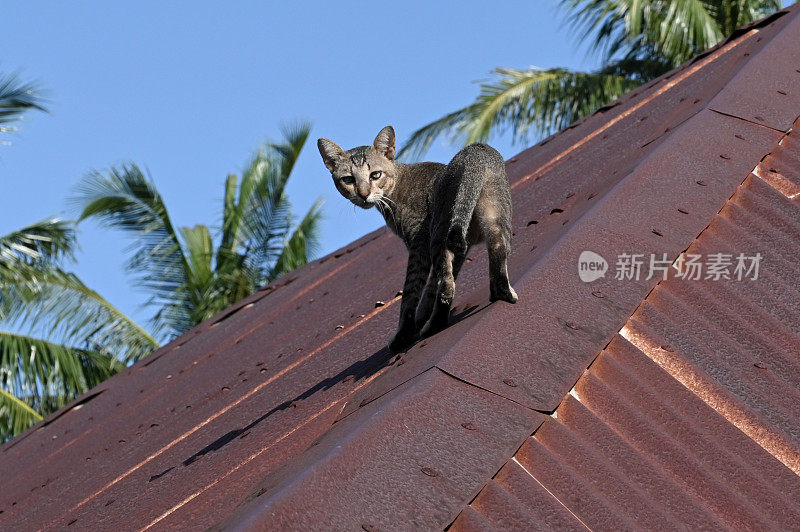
[{"x": 190, "y": 90}]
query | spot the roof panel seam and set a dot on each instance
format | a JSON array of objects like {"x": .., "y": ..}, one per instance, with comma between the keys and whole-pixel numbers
[{"x": 749, "y": 121}]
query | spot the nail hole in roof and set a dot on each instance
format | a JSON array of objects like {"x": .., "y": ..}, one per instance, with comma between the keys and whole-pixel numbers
[
  {"x": 683, "y": 211},
  {"x": 532, "y": 222},
  {"x": 657, "y": 233},
  {"x": 556, "y": 211}
]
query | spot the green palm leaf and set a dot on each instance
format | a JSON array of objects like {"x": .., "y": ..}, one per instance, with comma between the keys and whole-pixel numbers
[
  {"x": 190, "y": 280},
  {"x": 674, "y": 29},
  {"x": 302, "y": 245},
  {"x": 526, "y": 101},
  {"x": 62, "y": 308},
  {"x": 16, "y": 98},
  {"x": 124, "y": 198},
  {"x": 640, "y": 40},
  {"x": 25, "y": 254},
  {"x": 48, "y": 375},
  {"x": 15, "y": 415},
  {"x": 48, "y": 240},
  {"x": 261, "y": 212}
]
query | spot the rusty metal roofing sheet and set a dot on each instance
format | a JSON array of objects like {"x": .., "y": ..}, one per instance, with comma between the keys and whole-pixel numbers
[
  {"x": 688, "y": 418},
  {"x": 436, "y": 438},
  {"x": 287, "y": 410}
]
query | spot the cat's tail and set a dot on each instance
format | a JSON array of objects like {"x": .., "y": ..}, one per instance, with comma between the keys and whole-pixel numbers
[{"x": 465, "y": 178}]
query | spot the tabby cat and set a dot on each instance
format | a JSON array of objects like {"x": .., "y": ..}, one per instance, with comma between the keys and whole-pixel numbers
[{"x": 438, "y": 211}]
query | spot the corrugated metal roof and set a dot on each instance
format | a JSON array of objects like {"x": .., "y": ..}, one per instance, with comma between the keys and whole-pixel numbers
[{"x": 288, "y": 411}]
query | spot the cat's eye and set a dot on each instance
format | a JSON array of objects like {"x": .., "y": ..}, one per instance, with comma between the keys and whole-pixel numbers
[
  {"x": 376, "y": 175},
  {"x": 348, "y": 180}
]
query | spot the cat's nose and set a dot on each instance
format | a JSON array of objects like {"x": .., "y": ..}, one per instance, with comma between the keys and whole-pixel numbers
[{"x": 364, "y": 195}]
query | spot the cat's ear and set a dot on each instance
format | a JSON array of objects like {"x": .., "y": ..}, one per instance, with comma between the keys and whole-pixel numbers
[
  {"x": 384, "y": 142},
  {"x": 330, "y": 152}
]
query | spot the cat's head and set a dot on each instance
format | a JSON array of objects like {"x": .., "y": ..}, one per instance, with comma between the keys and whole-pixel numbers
[{"x": 366, "y": 174}]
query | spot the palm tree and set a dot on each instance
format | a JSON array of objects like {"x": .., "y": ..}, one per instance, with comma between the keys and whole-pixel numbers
[
  {"x": 16, "y": 98},
  {"x": 639, "y": 40},
  {"x": 189, "y": 278},
  {"x": 58, "y": 338}
]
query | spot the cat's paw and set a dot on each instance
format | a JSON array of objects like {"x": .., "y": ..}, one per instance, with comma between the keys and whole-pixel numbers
[
  {"x": 437, "y": 322},
  {"x": 401, "y": 341},
  {"x": 507, "y": 294}
]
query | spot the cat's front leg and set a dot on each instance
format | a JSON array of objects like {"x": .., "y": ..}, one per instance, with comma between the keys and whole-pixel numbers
[{"x": 416, "y": 275}]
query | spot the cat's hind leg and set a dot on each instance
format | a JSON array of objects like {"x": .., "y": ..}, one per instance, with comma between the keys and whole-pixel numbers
[
  {"x": 448, "y": 254},
  {"x": 496, "y": 226},
  {"x": 426, "y": 302}
]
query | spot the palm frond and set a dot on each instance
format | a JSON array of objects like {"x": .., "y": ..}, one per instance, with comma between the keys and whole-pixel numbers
[
  {"x": 294, "y": 138},
  {"x": 261, "y": 213},
  {"x": 16, "y": 98},
  {"x": 208, "y": 291},
  {"x": 45, "y": 241},
  {"x": 48, "y": 375},
  {"x": 199, "y": 253},
  {"x": 527, "y": 101},
  {"x": 302, "y": 245},
  {"x": 641, "y": 69},
  {"x": 674, "y": 29},
  {"x": 733, "y": 14},
  {"x": 62, "y": 308},
  {"x": 15, "y": 415},
  {"x": 29, "y": 252},
  {"x": 268, "y": 218},
  {"x": 124, "y": 198},
  {"x": 421, "y": 140}
]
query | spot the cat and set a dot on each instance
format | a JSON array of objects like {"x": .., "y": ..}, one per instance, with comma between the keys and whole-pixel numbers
[{"x": 438, "y": 211}]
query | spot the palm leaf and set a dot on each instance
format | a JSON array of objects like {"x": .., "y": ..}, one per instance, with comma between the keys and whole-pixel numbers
[
  {"x": 526, "y": 101},
  {"x": 123, "y": 198},
  {"x": 302, "y": 245},
  {"x": 420, "y": 141},
  {"x": 733, "y": 14},
  {"x": 26, "y": 253},
  {"x": 261, "y": 213},
  {"x": 207, "y": 296},
  {"x": 267, "y": 218},
  {"x": 16, "y": 98},
  {"x": 674, "y": 29},
  {"x": 48, "y": 240},
  {"x": 294, "y": 138},
  {"x": 48, "y": 375},
  {"x": 15, "y": 415},
  {"x": 62, "y": 308}
]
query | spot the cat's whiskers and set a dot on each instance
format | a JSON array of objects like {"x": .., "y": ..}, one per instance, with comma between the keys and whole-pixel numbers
[{"x": 384, "y": 202}]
